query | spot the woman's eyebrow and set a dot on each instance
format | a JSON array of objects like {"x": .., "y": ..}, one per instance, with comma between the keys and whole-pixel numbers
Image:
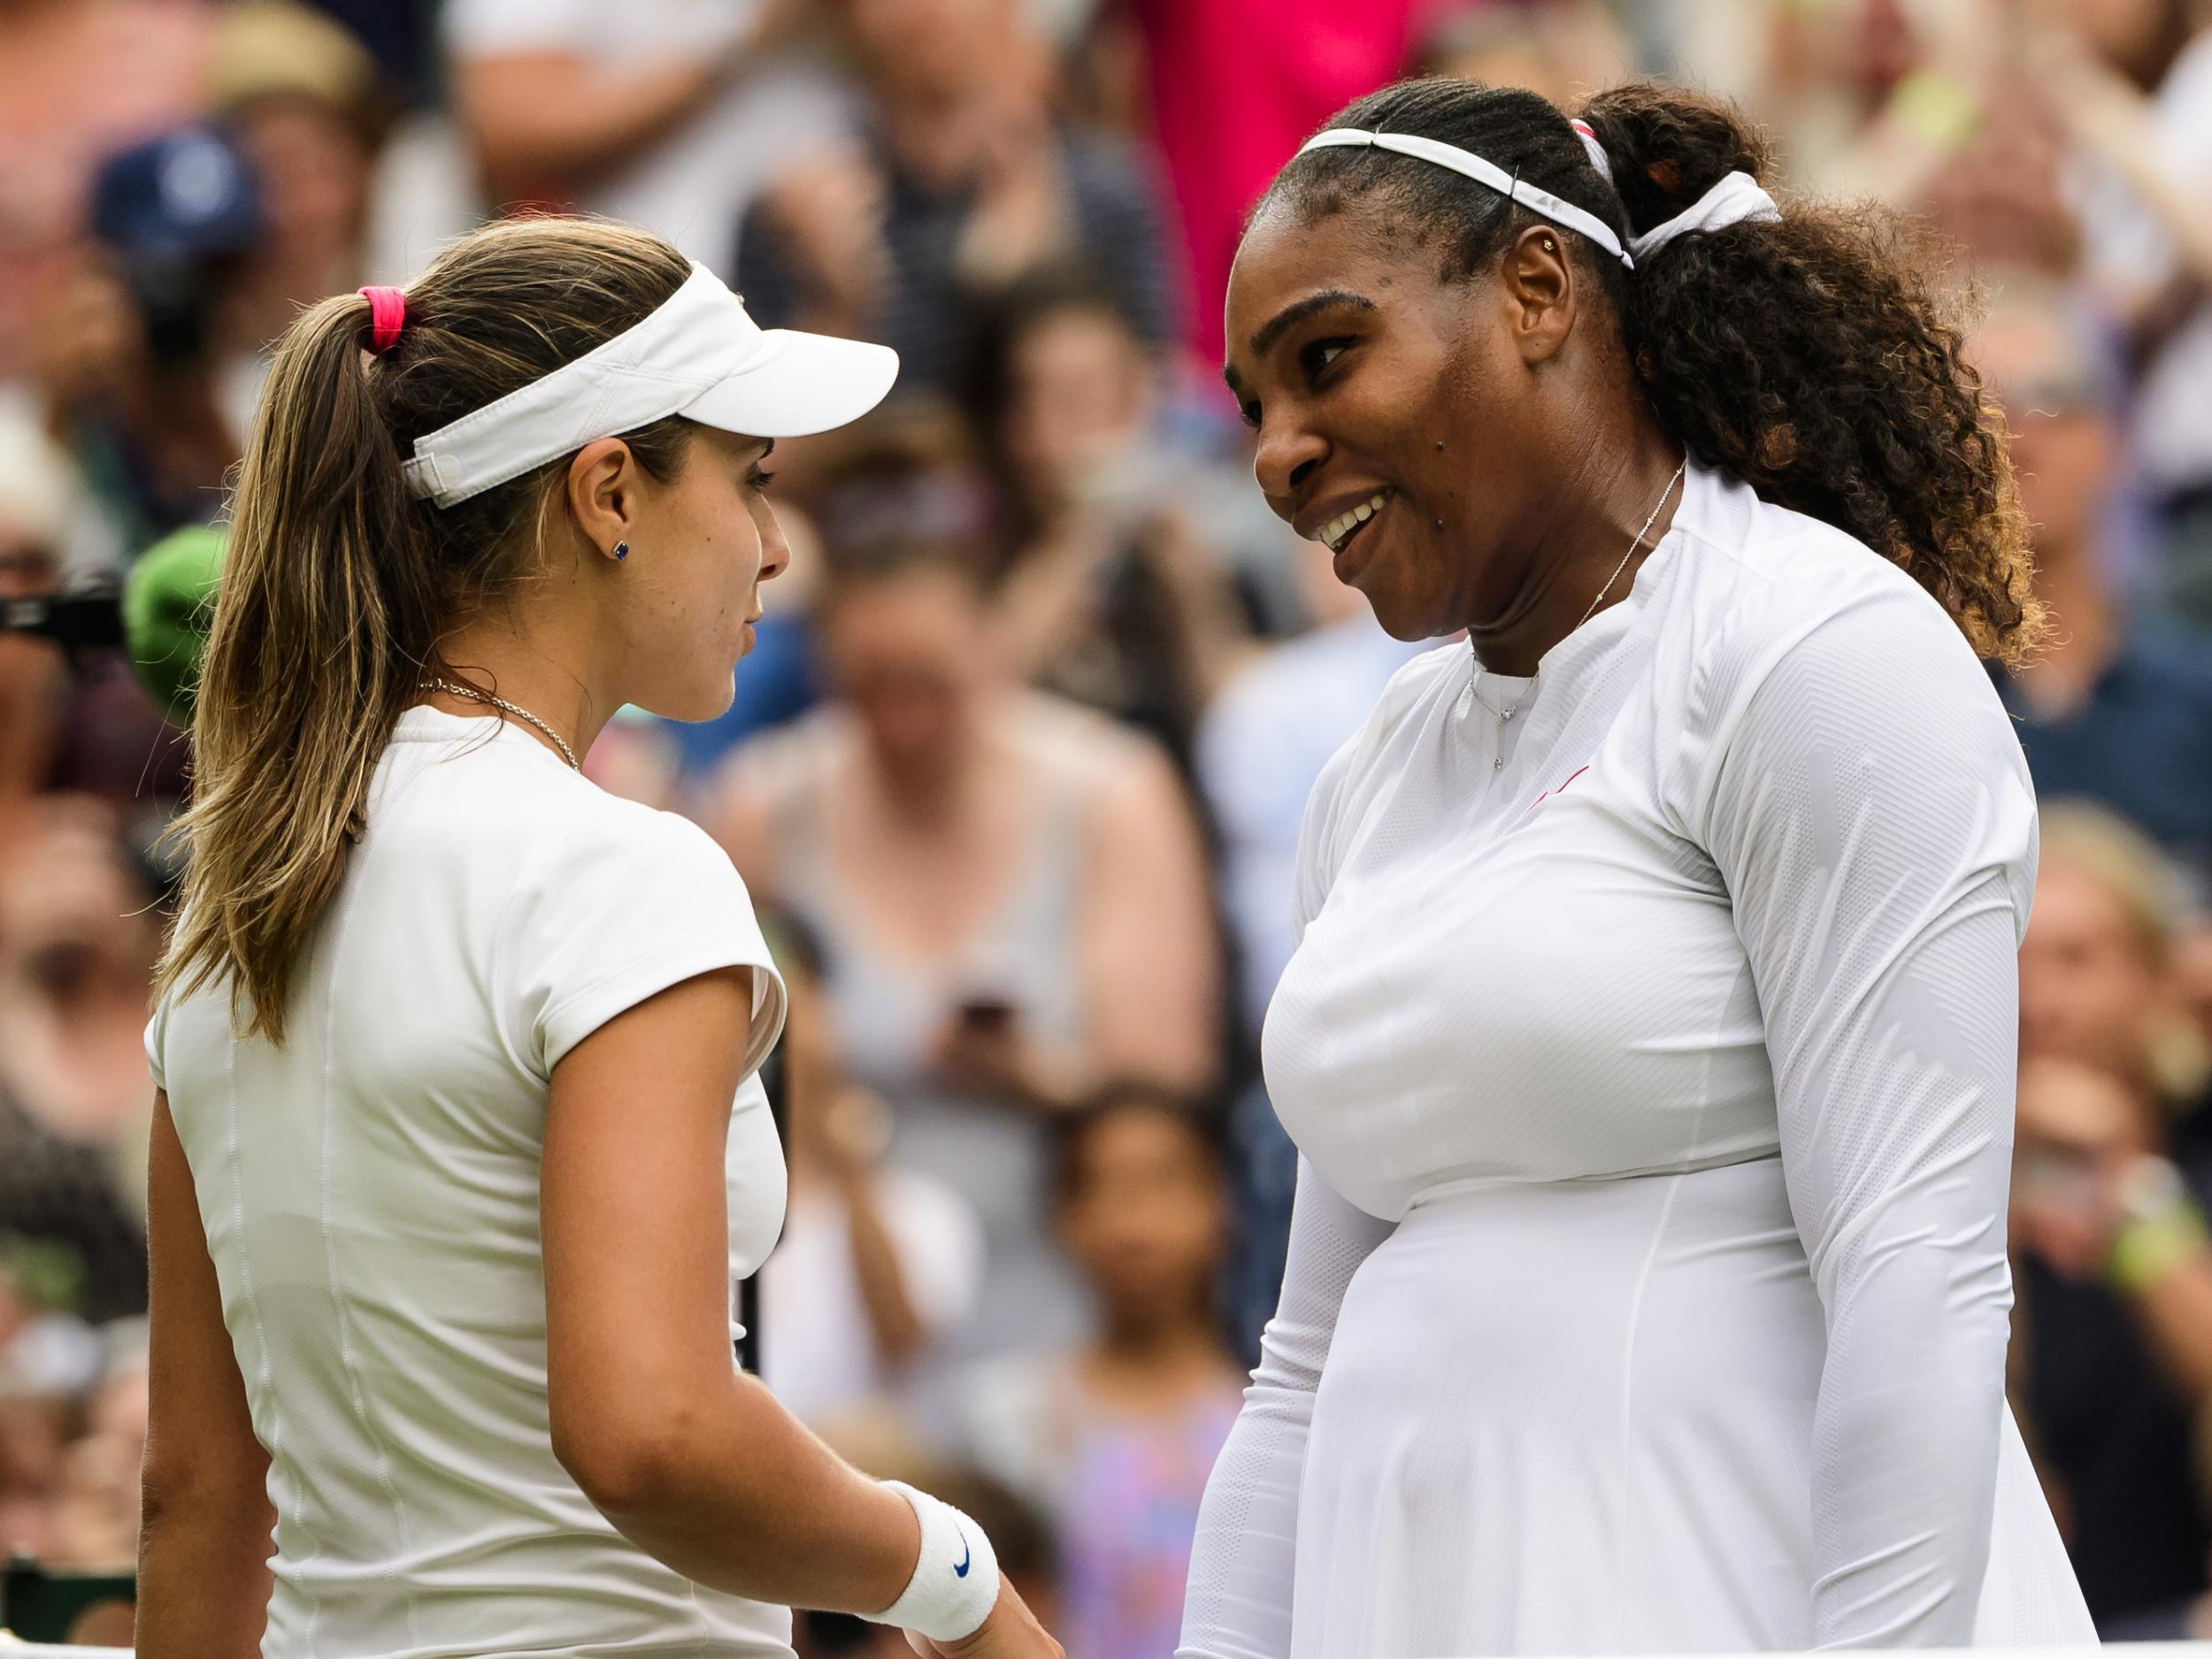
[{"x": 1268, "y": 332}]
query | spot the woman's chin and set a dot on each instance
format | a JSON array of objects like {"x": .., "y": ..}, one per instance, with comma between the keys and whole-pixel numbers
[
  {"x": 694, "y": 703},
  {"x": 1402, "y": 618}
]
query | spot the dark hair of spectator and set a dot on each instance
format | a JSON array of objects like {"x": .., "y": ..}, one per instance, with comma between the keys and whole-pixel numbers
[
  {"x": 891, "y": 557},
  {"x": 1042, "y": 295},
  {"x": 338, "y": 586},
  {"x": 1810, "y": 358},
  {"x": 1021, "y": 1535},
  {"x": 1073, "y": 1134},
  {"x": 906, "y": 471},
  {"x": 1037, "y": 298}
]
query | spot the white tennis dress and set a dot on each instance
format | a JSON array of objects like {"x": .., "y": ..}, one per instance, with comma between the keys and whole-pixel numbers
[
  {"x": 1650, "y": 1046},
  {"x": 370, "y": 1194}
]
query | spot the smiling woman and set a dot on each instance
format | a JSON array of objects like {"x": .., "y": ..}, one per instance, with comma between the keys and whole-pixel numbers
[
  {"x": 1648, "y": 1042},
  {"x": 1804, "y": 353}
]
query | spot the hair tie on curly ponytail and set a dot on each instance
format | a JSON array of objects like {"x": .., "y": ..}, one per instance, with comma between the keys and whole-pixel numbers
[{"x": 1736, "y": 199}]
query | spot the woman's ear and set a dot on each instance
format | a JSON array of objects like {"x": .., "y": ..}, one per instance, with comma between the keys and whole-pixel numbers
[
  {"x": 601, "y": 489},
  {"x": 1540, "y": 295}
]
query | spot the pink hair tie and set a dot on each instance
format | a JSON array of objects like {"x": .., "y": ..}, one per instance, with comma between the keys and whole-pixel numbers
[{"x": 388, "y": 313}]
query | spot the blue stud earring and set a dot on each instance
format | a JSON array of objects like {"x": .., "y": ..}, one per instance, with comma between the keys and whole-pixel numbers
[{"x": 622, "y": 550}]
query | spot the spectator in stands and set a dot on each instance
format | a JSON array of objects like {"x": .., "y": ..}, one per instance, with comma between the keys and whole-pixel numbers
[
  {"x": 96, "y": 1508},
  {"x": 177, "y": 218},
  {"x": 75, "y": 720},
  {"x": 2135, "y": 92},
  {"x": 2113, "y": 1335},
  {"x": 78, "y": 80},
  {"x": 49, "y": 1362},
  {"x": 876, "y": 1262},
  {"x": 77, "y": 949},
  {"x": 2074, "y": 139},
  {"x": 2192, "y": 971},
  {"x": 33, "y": 1447},
  {"x": 1010, "y": 895},
  {"x": 1562, "y": 49},
  {"x": 961, "y": 179},
  {"x": 2119, "y": 706},
  {"x": 300, "y": 99},
  {"x": 672, "y": 119},
  {"x": 37, "y": 502},
  {"x": 1115, "y": 1438},
  {"x": 1135, "y": 573},
  {"x": 1236, "y": 85}
]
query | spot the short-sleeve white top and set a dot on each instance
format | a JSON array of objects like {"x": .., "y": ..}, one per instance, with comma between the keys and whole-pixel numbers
[{"x": 370, "y": 1195}]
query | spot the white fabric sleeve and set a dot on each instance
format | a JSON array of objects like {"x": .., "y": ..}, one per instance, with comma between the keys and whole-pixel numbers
[
  {"x": 577, "y": 28},
  {"x": 628, "y": 905},
  {"x": 941, "y": 1248},
  {"x": 157, "y": 1029},
  {"x": 1238, "y": 1604},
  {"x": 1868, "y": 809},
  {"x": 495, "y": 28}
]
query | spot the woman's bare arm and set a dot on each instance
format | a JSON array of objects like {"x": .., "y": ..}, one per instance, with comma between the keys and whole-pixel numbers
[
  {"x": 203, "y": 1546},
  {"x": 696, "y": 1462},
  {"x": 1150, "y": 950}
]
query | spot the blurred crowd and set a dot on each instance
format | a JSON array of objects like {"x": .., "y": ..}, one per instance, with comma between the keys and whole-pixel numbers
[{"x": 1017, "y": 770}]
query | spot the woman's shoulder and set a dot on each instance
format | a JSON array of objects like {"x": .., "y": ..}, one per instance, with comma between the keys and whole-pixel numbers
[
  {"x": 1078, "y": 747},
  {"x": 479, "y": 817},
  {"x": 1766, "y": 583},
  {"x": 773, "y": 767},
  {"x": 611, "y": 841},
  {"x": 1765, "y": 561}
]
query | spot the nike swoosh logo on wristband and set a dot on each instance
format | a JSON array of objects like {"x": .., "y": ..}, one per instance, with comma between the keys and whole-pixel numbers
[{"x": 967, "y": 1558}]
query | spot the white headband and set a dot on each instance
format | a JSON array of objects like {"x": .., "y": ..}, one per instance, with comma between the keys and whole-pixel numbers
[
  {"x": 1736, "y": 198},
  {"x": 697, "y": 355},
  {"x": 1540, "y": 201}
]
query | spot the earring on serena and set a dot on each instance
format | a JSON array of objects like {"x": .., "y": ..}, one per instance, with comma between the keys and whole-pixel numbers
[{"x": 620, "y": 551}]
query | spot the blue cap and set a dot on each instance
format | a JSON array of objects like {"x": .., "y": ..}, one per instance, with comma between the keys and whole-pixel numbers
[{"x": 178, "y": 199}]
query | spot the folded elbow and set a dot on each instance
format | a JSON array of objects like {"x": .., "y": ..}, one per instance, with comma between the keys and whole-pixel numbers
[
  {"x": 624, "y": 1468},
  {"x": 190, "y": 1496}
]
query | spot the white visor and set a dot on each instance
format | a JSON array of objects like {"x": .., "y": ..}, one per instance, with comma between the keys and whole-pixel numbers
[{"x": 698, "y": 355}]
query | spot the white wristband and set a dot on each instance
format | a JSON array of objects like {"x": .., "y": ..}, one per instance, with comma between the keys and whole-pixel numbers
[{"x": 954, "y": 1584}]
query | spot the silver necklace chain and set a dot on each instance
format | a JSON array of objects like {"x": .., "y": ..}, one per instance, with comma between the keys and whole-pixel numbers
[
  {"x": 1650, "y": 518},
  {"x": 474, "y": 693}
]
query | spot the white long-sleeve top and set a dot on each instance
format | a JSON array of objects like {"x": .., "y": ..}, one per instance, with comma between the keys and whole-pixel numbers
[{"x": 1649, "y": 1044}]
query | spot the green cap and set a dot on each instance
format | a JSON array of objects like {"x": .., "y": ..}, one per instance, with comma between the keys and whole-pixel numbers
[{"x": 168, "y": 604}]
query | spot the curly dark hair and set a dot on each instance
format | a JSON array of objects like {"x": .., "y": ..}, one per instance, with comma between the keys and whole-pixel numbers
[{"x": 1812, "y": 358}]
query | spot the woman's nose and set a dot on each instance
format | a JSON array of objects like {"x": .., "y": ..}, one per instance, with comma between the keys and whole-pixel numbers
[
  {"x": 1285, "y": 455},
  {"x": 775, "y": 552}
]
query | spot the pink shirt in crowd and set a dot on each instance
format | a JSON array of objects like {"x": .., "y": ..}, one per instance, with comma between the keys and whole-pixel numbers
[{"x": 1236, "y": 85}]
